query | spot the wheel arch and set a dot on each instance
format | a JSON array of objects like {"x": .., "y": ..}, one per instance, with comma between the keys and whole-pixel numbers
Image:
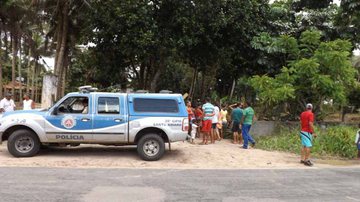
[
  {"x": 11, "y": 129},
  {"x": 148, "y": 130}
]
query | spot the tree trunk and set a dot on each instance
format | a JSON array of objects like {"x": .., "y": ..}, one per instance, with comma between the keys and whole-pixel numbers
[
  {"x": 192, "y": 87},
  {"x": 6, "y": 44},
  {"x": 155, "y": 80},
  {"x": 58, "y": 39},
  {"x": 147, "y": 72},
  {"x": 141, "y": 78},
  {"x": 66, "y": 65},
  {"x": 232, "y": 89},
  {"x": 60, "y": 69},
  {"x": 33, "y": 74},
  {"x": 13, "y": 66},
  {"x": 29, "y": 68},
  {"x": 202, "y": 89},
  {"x": 343, "y": 113},
  {"x": 19, "y": 71},
  {"x": 37, "y": 99}
]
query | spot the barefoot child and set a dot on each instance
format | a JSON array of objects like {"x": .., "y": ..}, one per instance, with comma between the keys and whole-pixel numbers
[{"x": 194, "y": 130}]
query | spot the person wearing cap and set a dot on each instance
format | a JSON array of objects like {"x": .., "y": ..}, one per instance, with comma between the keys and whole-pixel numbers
[
  {"x": 28, "y": 103},
  {"x": 307, "y": 134},
  {"x": 7, "y": 104}
]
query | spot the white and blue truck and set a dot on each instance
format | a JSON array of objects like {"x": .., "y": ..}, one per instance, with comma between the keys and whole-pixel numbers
[{"x": 148, "y": 120}]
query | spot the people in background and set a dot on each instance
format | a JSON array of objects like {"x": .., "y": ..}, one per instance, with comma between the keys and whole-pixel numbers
[
  {"x": 224, "y": 121},
  {"x": 198, "y": 116},
  {"x": 214, "y": 130},
  {"x": 191, "y": 115},
  {"x": 7, "y": 104},
  {"x": 28, "y": 103}
]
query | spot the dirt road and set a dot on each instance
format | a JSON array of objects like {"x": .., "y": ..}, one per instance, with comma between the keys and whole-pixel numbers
[{"x": 223, "y": 154}]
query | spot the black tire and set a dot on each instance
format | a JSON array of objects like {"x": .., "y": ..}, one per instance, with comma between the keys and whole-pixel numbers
[
  {"x": 151, "y": 147},
  {"x": 23, "y": 143}
]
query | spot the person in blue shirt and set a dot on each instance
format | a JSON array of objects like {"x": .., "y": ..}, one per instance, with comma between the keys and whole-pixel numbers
[{"x": 236, "y": 116}]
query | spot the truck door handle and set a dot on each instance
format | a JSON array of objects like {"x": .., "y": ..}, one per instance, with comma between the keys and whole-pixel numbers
[
  {"x": 85, "y": 119},
  {"x": 117, "y": 120}
]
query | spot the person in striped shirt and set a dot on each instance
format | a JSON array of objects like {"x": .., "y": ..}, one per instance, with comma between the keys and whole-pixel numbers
[{"x": 209, "y": 112}]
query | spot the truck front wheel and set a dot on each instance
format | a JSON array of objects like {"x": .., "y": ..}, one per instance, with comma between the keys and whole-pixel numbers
[
  {"x": 23, "y": 143},
  {"x": 151, "y": 147}
]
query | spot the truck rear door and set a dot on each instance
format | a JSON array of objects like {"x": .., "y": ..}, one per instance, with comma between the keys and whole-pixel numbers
[{"x": 110, "y": 120}]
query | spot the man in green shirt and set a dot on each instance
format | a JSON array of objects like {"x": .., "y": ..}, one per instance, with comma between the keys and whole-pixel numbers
[{"x": 246, "y": 121}]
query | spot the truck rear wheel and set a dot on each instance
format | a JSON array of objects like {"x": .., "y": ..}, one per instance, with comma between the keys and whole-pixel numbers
[
  {"x": 23, "y": 143},
  {"x": 151, "y": 147}
]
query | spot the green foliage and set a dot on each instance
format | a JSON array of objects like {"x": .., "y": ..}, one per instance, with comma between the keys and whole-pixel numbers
[
  {"x": 136, "y": 41},
  {"x": 272, "y": 91},
  {"x": 322, "y": 71},
  {"x": 335, "y": 141},
  {"x": 354, "y": 97},
  {"x": 348, "y": 20},
  {"x": 158, "y": 45},
  {"x": 310, "y": 41}
]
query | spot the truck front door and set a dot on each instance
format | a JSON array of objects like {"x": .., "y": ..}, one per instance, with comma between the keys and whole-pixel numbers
[{"x": 71, "y": 120}]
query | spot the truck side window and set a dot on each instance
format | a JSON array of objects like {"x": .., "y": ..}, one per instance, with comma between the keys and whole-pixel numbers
[
  {"x": 74, "y": 105},
  {"x": 155, "y": 105},
  {"x": 108, "y": 105}
]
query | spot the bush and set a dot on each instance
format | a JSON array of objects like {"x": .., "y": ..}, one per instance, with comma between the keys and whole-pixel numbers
[{"x": 337, "y": 141}]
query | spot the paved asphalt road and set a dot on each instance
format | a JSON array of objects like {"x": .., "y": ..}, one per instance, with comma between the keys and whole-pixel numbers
[{"x": 64, "y": 184}]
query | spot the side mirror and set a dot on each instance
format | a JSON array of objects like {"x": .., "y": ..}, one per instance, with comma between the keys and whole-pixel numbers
[{"x": 55, "y": 111}]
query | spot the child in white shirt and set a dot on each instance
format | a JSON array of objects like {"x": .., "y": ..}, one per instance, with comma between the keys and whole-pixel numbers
[{"x": 193, "y": 131}]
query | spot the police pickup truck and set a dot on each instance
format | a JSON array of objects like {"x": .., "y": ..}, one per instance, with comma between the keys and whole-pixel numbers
[{"x": 146, "y": 120}]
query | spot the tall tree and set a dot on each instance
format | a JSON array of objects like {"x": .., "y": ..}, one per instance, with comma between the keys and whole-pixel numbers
[
  {"x": 321, "y": 72},
  {"x": 64, "y": 22},
  {"x": 348, "y": 21}
]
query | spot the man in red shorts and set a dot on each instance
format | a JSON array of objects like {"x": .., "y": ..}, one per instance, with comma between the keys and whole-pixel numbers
[
  {"x": 208, "y": 110},
  {"x": 307, "y": 134}
]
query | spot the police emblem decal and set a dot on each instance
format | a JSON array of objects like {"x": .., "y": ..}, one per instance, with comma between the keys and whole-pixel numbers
[{"x": 68, "y": 122}]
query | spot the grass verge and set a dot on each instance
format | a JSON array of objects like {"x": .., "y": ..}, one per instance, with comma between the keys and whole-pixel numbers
[{"x": 335, "y": 141}]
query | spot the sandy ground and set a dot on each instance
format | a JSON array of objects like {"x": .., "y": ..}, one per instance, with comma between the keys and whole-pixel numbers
[{"x": 223, "y": 154}]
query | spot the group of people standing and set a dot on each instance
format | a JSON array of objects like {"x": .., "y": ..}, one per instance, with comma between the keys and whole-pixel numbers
[
  {"x": 7, "y": 104},
  {"x": 242, "y": 116},
  {"x": 210, "y": 122}
]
